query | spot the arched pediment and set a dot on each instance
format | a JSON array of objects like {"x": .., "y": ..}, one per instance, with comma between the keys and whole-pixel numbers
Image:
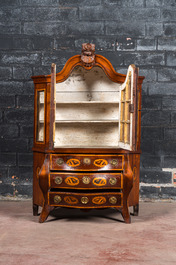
[{"x": 87, "y": 60}]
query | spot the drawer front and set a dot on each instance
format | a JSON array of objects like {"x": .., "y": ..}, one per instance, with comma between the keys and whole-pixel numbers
[
  {"x": 85, "y": 200},
  {"x": 86, "y": 180},
  {"x": 86, "y": 162}
]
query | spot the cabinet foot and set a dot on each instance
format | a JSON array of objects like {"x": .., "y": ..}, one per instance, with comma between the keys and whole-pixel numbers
[
  {"x": 136, "y": 210},
  {"x": 35, "y": 209},
  {"x": 45, "y": 212},
  {"x": 126, "y": 215}
]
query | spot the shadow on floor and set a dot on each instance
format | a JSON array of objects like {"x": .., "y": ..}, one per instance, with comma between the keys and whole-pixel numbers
[
  {"x": 90, "y": 215},
  {"x": 147, "y": 211}
]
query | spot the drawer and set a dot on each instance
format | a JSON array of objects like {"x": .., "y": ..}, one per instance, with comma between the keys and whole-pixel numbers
[
  {"x": 82, "y": 162},
  {"x": 86, "y": 180},
  {"x": 85, "y": 200}
]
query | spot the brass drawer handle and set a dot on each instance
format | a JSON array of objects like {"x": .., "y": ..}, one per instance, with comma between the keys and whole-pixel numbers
[
  {"x": 87, "y": 161},
  {"x": 114, "y": 162},
  {"x": 113, "y": 200},
  {"x": 58, "y": 180},
  {"x": 60, "y": 161},
  {"x": 112, "y": 180},
  {"x": 84, "y": 200},
  {"x": 57, "y": 199},
  {"x": 86, "y": 180}
]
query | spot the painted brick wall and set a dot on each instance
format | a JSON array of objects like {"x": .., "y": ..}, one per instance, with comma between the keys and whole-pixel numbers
[{"x": 35, "y": 33}]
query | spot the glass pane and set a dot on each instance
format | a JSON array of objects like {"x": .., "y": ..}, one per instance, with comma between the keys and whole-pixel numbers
[
  {"x": 40, "y": 116},
  {"x": 125, "y": 112}
]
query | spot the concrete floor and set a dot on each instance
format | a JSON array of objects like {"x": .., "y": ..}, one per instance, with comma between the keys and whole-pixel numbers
[{"x": 72, "y": 237}]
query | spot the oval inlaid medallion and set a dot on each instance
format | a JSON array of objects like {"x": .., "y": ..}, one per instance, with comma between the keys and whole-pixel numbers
[
  {"x": 70, "y": 200},
  {"x": 99, "y": 181},
  {"x": 58, "y": 180},
  {"x": 57, "y": 199},
  {"x": 73, "y": 162},
  {"x": 113, "y": 200},
  {"x": 99, "y": 200},
  {"x": 86, "y": 180},
  {"x": 100, "y": 162},
  {"x": 72, "y": 181}
]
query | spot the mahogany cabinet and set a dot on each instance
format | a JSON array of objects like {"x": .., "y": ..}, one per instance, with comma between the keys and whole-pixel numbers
[{"x": 87, "y": 136}]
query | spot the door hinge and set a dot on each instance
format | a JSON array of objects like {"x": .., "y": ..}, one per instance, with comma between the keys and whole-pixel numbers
[{"x": 131, "y": 108}]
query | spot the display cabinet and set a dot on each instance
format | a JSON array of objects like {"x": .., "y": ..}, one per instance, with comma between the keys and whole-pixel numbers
[{"x": 87, "y": 136}]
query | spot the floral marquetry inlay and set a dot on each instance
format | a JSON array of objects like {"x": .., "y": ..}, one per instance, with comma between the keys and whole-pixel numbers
[
  {"x": 100, "y": 162},
  {"x": 99, "y": 200},
  {"x": 73, "y": 162},
  {"x": 72, "y": 181},
  {"x": 99, "y": 181},
  {"x": 70, "y": 200}
]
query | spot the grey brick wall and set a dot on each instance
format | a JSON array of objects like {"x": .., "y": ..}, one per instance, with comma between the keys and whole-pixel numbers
[{"x": 35, "y": 33}]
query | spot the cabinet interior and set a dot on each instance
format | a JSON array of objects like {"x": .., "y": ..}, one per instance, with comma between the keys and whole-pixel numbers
[{"x": 91, "y": 111}]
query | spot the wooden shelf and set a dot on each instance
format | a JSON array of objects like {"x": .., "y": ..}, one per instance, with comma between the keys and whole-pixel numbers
[
  {"x": 88, "y": 121},
  {"x": 87, "y": 147},
  {"x": 83, "y": 121},
  {"x": 87, "y": 102}
]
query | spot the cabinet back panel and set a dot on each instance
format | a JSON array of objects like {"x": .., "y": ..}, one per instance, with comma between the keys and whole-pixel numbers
[
  {"x": 87, "y": 96},
  {"x": 71, "y": 96},
  {"x": 83, "y": 80},
  {"x": 87, "y": 111},
  {"x": 87, "y": 135}
]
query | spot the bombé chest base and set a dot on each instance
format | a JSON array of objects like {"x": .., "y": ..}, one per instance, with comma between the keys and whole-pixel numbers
[{"x": 84, "y": 181}]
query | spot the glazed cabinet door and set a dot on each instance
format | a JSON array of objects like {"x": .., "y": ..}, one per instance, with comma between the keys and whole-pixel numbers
[
  {"x": 52, "y": 107},
  {"x": 39, "y": 122},
  {"x": 128, "y": 110}
]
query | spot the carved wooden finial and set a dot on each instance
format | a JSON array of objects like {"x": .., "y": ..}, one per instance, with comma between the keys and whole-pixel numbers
[{"x": 87, "y": 55}]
